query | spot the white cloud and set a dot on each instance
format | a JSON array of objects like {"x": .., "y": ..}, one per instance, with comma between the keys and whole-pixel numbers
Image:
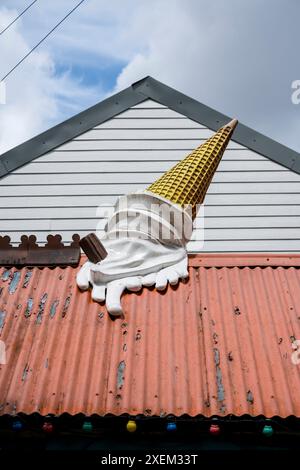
[
  {"x": 237, "y": 57},
  {"x": 38, "y": 97}
]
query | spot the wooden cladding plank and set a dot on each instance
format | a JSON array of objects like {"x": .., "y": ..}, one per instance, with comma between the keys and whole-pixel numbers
[
  {"x": 147, "y": 166},
  {"x": 72, "y": 189},
  {"x": 140, "y": 113},
  {"x": 31, "y": 213},
  {"x": 88, "y": 145},
  {"x": 234, "y": 246},
  {"x": 50, "y": 225},
  {"x": 144, "y": 178},
  {"x": 145, "y": 134},
  {"x": 250, "y": 188},
  {"x": 138, "y": 155},
  {"x": 248, "y": 222},
  {"x": 94, "y": 222},
  {"x": 86, "y": 177},
  {"x": 256, "y": 233},
  {"x": 82, "y": 178},
  {"x": 238, "y": 211},
  {"x": 58, "y": 200},
  {"x": 164, "y": 123},
  {"x": 282, "y": 215},
  {"x": 292, "y": 188},
  {"x": 148, "y": 104}
]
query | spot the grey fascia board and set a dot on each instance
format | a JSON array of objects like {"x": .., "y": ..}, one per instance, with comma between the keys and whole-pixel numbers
[
  {"x": 211, "y": 118},
  {"x": 69, "y": 129}
]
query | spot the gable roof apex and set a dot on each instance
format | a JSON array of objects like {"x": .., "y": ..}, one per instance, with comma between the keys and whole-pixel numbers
[{"x": 146, "y": 88}]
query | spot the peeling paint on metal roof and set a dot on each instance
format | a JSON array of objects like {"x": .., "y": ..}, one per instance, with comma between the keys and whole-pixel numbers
[
  {"x": 220, "y": 388},
  {"x": 41, "y": 308},
  {"x": 29, "y": 306},
  {"x": 14, "y": 282},
  {"x": 27, "y": 279},
  {"x": 219, "y": 344},
  {"x": 5, "y": 274},
  {"x": 120, "y": 374},
  {"x": 2, "y": 318},
  {"x": 53, "y": 308}
]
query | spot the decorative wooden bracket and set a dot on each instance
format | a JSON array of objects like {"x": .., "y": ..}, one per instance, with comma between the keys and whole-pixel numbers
[{"x": 29, "y": 253}]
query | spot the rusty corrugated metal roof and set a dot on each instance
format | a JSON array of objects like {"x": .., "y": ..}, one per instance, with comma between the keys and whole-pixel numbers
[{"x": 219, "y": 344}]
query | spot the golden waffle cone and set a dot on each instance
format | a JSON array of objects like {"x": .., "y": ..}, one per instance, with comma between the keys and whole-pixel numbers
[{"x": 188, "y": 181}]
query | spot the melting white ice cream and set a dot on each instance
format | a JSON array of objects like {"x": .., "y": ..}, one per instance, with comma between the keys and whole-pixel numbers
[{"x": 145, "y": 241}]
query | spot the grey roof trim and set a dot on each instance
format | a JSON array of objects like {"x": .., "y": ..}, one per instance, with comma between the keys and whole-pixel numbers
[
  {"x": 213, "y": 119},
  {"x": 147, "y": 88},
  {"x": 67, "y": 130}
]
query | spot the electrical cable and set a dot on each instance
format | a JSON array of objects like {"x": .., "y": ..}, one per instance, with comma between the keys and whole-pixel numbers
[
  {"x": 19, "y": 16},
  {"x": 42, "y": 40}
]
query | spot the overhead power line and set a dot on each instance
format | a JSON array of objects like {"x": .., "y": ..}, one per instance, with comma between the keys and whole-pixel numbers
[
  {"x": 19, "y": 16},
  {"x": 42, "y": 40}
]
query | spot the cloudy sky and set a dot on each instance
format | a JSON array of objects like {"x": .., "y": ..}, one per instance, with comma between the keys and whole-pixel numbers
[{"x": 239, "y": 57}]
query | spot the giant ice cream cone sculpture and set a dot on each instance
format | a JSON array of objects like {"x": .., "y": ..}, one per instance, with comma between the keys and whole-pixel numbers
[
  {"x": 188, "y": 181},
  {"x": 145, "y": 239}
]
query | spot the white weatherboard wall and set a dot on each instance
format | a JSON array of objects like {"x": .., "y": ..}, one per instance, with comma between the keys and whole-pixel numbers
[{"x": 253, "y": 204}]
